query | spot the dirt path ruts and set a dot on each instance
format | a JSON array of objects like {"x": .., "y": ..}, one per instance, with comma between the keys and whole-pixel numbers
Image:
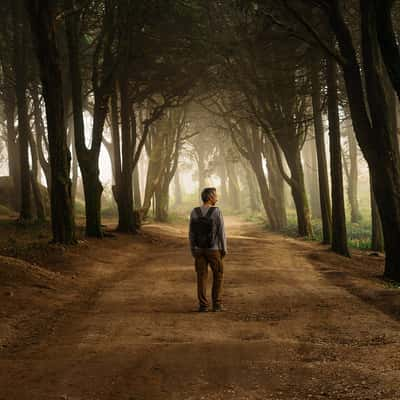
[{"x": 293, "y": 329}]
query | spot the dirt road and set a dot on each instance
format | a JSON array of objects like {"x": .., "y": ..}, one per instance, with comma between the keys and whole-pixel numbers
[{"x": 300, "y": 323}]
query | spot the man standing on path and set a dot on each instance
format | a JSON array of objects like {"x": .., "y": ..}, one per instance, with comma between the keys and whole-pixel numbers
[{"x": 208, "y": 245}]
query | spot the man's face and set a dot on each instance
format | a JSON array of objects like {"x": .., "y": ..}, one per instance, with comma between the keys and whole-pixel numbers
[{"x": 214, "y": 199}]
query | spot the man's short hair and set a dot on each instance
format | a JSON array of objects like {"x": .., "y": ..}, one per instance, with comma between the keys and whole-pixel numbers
[{"x": 207, "y": 193}]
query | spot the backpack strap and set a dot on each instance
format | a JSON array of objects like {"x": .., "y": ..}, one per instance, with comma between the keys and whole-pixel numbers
[
  {"x": 198, "y": 212},
  {"x": 210, "y": 212}
]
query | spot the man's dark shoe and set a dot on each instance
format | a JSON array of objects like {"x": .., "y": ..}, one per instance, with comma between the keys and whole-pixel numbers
[
  {"x": 203, "y": 309},
  {"x": 217, "y": 308}
]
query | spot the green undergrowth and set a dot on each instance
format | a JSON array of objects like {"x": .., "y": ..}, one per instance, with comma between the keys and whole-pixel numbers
[{"x": 358, "y": 234}]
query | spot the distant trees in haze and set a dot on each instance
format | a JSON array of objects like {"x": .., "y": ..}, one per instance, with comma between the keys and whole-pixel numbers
[{"x": 256, "y": 93}]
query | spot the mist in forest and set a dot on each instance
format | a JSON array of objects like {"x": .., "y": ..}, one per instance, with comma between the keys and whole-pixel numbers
[{"x": 125, "y": 111}]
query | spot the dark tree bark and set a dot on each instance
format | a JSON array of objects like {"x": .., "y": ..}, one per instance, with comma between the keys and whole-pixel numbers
[
  {"x": 74, "y": 182},
  {"x": 42, "y": 21},
  {"x": 115, "y": 139},
  {"x": 377, "y": 242},
  {"x": 325, "y": 203},
  {"x": 89, "y": 158},
  {"x": 293, "y": 159},
  {"x": 21, "y": 86},
  {"x": 126, "y": 216},
  {"x": 387, "y": 40},
  {"x": 372, "y": 129},
  {"x": 339, "y": 234}
]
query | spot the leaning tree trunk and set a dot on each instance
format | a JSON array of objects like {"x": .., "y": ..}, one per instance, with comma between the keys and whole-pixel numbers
[
  {"x": 293, "y": 158},
  {"x": 339, "y": 235},
  {"x": 42, "y": 19},
  {"x": 252, "y": 188},
  {"x": 325, "y": 203},
  {"x": 266, "y": 197},
  {"x": 21, "y": 85},
  {"x": 276, "y": 184},
  {"x": 136, "y": 188}
]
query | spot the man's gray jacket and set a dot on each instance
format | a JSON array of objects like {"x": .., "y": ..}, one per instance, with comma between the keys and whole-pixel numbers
[{"x": 219, "y": 242}]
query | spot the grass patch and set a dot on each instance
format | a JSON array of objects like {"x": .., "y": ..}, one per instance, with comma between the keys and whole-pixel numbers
[{"x": 358, "y": 234}]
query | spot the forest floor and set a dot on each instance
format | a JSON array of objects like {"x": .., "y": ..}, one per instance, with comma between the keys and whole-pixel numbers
[{"x": 117, "y": 319}]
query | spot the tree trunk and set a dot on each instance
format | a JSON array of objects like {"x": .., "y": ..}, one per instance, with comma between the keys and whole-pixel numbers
[
  {"x": 223, "y": 176},
  {"x": 74, "y": 173},
  {"x": 88, "y": 158},
  {"x": 377, "y": 242},
  {"x": 382, "y": 15},
  {"x": 372, "y": 125},
  {"x": 339, "y": 235},
  {"x": 276, "y": 184},
  {"x": 38, "y": 198},
  {"x": 233, "y": 185},
  {"x": 21, "y": 85},
  {"x": 42, "y": 20},
  {"x": 126, "y": 217},
  {"x": 40, "y": 135},
  {"x": 34, "y": 180},
  {"x": 311, "y": 177},
  {"x": 201, "y": 171},
  {"x": 352, "y": 188},
  {"x": 136, "y": 188},
  {"x": 266, "y": 198},
  {"x": 116, "y": 142},
  {"x": 162, "y": 201},
  {"x": 299, "y": 197},
  {"x": 325, "y": 203},
  {"x": 252, "y": 189},
  {"x": 290, "y": 148},
  {"x": 178, "y": 189}
]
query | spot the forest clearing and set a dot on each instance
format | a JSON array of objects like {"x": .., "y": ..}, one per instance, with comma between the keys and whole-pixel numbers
[{"x": 119, "y": 322}]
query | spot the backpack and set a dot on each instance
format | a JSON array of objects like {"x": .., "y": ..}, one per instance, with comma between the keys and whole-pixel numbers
[{"x": 204, "y": 228}]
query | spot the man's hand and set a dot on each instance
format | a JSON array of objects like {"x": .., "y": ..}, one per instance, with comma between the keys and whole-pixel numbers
[{"x": 223, "y": 253}]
